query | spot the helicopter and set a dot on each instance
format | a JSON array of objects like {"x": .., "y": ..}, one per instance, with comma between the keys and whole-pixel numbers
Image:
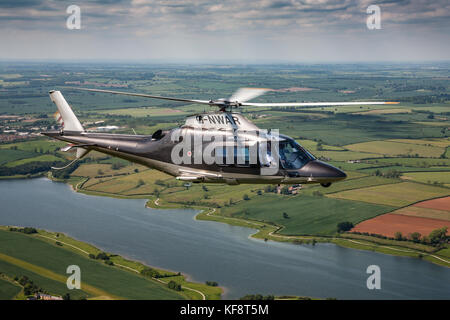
[{"x": 221, "y": 146}]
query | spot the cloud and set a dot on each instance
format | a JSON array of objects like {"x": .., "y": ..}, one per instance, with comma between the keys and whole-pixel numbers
[{"x": 259, "y": 27}]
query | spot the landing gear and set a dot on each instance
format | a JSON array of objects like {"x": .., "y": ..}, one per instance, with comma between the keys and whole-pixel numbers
[{"x": 326, "y": 185}]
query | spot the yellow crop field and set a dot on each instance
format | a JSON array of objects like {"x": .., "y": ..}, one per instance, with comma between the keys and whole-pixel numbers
[
  {"x": 345, "y": 155},
  {"x": 312, "y": 146},
  {"x": 103, "y": 169},
  {"x": 396, "y": 195},
  {"x": 428, "y": 177},
  {"x": 424, "y": 213},
  {"x": 216, "y": 193},
  {"x": 443, "y": 143},
  {"x": 129, "y": 184},
  {"x": 91, "y": 170},
  {"x": 433, "y": 123}
]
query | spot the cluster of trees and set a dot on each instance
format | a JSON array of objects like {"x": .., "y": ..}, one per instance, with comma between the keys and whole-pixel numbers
[
  {"x": 436, "y": 237},
  {"x": 388, "y": 174},
  {"x": 285, "y": 190},
  {"x": 344, "y": 226},
  {"x": 117, "y": 165},
  {"x": 257, "y": 297},
  {"x": 102, "y": 256},
  {"x": 26, "y": 230},
  {"x": 168, "y": 184},
  {"x": 273, "y": 188},
  {"x": 174, "y": 286},
  {"x": 435, "y": 98},
  {"x": 212, "y": 283},
  {"x": 141, "y": 182},
  {"x": 300, "y": 241},
  {"x": 270, "y": 188},
  {"x": 29, "y": 287},
  {"x": 151, "y": 273},
  {"x": 29, "y": 168},
  {"x": 201, "y": 203},
  {"x": 319, "y": 146}
]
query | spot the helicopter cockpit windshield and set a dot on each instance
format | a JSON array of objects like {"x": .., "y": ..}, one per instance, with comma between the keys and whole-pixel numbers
[{"x": 292, "y": 155}]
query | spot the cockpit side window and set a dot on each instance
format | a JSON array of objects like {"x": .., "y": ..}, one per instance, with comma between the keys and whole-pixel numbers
[{"x": 292, "y": 155}]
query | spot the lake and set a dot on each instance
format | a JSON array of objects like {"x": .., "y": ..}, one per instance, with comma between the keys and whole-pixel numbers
[{"x": 206, "y": 250}]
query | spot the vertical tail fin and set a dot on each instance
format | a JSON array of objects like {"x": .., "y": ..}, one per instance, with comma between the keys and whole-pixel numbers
[{"x": 66, "y": 116}]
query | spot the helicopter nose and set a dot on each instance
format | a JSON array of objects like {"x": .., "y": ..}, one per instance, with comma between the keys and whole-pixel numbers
[{"x": 319, "y": 169}]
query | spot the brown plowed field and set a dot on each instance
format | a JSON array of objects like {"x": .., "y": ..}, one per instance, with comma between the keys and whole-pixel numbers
[
  {"x": 388, "y": 224},
  {"x": 438, "y": 204}
]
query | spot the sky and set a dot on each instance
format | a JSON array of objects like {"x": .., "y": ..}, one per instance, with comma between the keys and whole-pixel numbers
[{"x": 242, "y": 31}]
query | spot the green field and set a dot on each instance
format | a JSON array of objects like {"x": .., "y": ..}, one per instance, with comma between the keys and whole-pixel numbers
[
  {"x": 391, "y": 148},
  {"x": 307, "y": 215},
  {"x": 42, "y": 255},
  {"x": 42, "y": 158},
  {"x": 41, "y": 145},
  {"x": 11, "y": 155},
  {"x": 50, "y": 285},
  {"x": 8, "y": 290}
]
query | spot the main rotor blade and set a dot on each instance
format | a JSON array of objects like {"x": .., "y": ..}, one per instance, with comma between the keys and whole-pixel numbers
[
  {"x": 146, "y": 96},
  {"x": 315, "y": 104},
  {"x": 245, "y": 94}
]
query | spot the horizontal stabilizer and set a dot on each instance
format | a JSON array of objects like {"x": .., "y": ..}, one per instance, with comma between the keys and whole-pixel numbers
[{"x": 80, "y": 151}]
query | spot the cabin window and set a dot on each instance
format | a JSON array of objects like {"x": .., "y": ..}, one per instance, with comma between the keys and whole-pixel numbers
[{"x": 238, "y": 156}]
